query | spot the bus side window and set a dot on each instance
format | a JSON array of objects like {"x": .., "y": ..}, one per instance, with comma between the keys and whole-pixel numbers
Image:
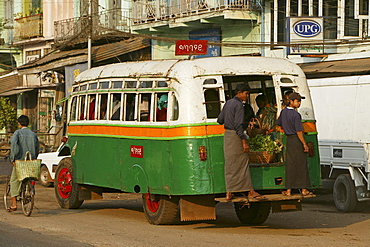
[
  {"x": 144, "y": 106},
  {"x": 73, "y": 109},
  {"x": 162, "y": 105},
  {"x": 91, "y": 106},
  {"x": 103, "y": 102},
  {"x": 212, "y": 102},
  {"x": 175, "y": 108},
  {"x": 82, "y": 108},
  {"x": 129, "y": 107},
  {"x": 115, "y": 106}
]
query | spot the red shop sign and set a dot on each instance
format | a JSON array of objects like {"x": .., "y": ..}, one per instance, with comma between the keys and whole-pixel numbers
[
  {"x": 191, "y": 47},
  {"x": 136, "y": 151}
]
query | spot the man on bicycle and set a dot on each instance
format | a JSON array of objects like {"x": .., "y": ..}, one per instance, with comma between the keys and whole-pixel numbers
[{"x": 23, "y": 140}]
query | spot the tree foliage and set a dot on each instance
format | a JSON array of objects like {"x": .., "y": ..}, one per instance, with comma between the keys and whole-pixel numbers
[{"x": 8, "y": 115}]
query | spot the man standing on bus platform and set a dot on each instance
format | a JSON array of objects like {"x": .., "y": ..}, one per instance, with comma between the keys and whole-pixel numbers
[
  {"x": 236, "y": 148},
  {"x": 23, "y": 140}
]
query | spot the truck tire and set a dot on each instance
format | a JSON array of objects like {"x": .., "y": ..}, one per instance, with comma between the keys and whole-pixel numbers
[
  {"x": 160, "y": 210},
  {"x": 67, "y": 191},
  {"x": 254, "y": 214},
  {"x": 344, "y": 193}
]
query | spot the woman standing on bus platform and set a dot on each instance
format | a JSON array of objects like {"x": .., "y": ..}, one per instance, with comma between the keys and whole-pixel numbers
[
  {"x": 237, "y": 174},
  {"x": 296, "y": 147}
]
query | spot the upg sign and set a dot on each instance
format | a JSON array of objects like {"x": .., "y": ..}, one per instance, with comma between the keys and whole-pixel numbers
[{"x": 307, "y": 28}]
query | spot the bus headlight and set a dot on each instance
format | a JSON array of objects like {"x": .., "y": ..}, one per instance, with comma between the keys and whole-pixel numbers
[{"x": 202, "y": 153}]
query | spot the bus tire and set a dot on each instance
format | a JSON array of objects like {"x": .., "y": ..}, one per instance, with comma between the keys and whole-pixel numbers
[
  {"x": 344, "y": 193},
  {"x": 160, "y": 210},
  {"x": 66, "y": 191},
  {"x": 253, "y": 214},
  {"x": 45, "y": 176}
]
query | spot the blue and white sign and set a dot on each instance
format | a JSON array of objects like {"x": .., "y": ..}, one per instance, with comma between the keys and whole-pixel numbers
[
  {"x": 213, "y": 34},
  {"x": 307, "y": 28},
  {"x": 305, "y": 35}
]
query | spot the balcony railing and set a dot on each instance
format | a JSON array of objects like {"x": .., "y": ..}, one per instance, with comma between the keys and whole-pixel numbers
[
  {"x": 28, "y": 27},
  {"x": 76, "y": 29},
  {"x": 155, "y": 10}
]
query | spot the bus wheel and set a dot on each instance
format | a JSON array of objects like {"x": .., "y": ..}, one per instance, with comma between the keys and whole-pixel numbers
[
  {"x": 254, "y": 214},
  {"x": 45, "y": 177},
  {"x": 160, "y": 210},
  {"x": 344, "y": 193},
  {"x": 66, "y": 191}
]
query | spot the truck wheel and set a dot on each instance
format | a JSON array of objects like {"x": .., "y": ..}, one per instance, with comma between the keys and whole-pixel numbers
[
  {"x": 66, "y": 191},
  {"x": 45, "y": 177},
  {"x": 344, "y": 193},
  {"x": 160, "y": 210},
  {"x": 4, "y": 149},
  {"x": 254, "y": 214}
]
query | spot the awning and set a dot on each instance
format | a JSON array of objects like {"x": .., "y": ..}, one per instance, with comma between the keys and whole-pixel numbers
[
  {"x": 337, "y": 68},
  {"x": 99, "y": 53},
  {"x": 16, "y": 91},
  {"x": 9, "y": 81}
]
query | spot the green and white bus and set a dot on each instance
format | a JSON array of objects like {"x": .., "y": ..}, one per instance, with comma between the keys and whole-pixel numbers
[{"x": 150, "y": 127}]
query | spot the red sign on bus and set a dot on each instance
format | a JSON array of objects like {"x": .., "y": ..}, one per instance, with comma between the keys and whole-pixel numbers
[
  {"x": 191, "y": 47},
  {"x": 136, "y": 151}
]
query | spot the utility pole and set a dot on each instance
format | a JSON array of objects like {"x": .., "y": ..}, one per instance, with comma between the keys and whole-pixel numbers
[{"x": 89, "y": 37}]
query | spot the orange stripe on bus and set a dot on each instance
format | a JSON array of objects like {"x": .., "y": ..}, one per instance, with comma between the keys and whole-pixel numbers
[
  {"x": 146, "y": 132},
  {"x": 307, "y": 127}
]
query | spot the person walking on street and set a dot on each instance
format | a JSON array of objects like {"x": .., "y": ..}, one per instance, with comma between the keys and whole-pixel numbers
[
  {"x": 236, "y": 148},
  {"x": 296, "y": 147},
  {"x": 23, "y": 140}
]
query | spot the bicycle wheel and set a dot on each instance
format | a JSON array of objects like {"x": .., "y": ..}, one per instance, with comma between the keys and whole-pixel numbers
[
  {"x": 7, "y": 197},
  {"x": 27, "y": 196}
]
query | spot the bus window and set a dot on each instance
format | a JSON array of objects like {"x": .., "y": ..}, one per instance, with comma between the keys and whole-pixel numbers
[
  {"x": 104, "y": 85},
  {"x": 162, "y": 84},
  {"x": 129, "y": 107},
  {"x": 210, "y": 81},
  {"x": 73, "y": 115},
  {"x": 144, "y": 106},
  {"x": 93, "y": 86},
  {"x": 103, "y": 106},
  {"x": 83, "y": 87},
  {"x": 117, "y": 84},
  {"x": 254, "y": 84},
  {"x": 285, "y": 80},
  {"x": 212, "y": 102},
  {"x": 115, "y": 106},
  {"x": 175, "y": 108},
  {"x": 131, "y": 84},
  {"x": 146, "y": 84},
  {"x": 91, "y": 106},
  {"x": 82, "y": 107},
  {"x": 161, "y": 109}
]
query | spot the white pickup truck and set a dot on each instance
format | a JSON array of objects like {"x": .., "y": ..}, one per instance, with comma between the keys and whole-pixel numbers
[{"x": 343, "y": 122}]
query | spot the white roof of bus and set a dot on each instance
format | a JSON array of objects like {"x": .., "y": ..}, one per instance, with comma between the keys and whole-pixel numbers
[{"x": 190, "y": 68}]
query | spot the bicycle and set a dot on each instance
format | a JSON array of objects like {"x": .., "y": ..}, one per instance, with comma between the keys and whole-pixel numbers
[{"x": 26, "y": 195}]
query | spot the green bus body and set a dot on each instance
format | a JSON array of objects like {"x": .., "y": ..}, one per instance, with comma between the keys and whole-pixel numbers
[{"x": 169, "y": 167}]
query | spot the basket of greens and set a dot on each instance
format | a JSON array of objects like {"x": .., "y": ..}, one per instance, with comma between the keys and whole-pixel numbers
[{"x": 262, "y": 149}]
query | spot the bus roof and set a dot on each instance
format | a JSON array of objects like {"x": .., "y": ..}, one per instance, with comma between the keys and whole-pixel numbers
[{"x": 191, "y": 68}]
